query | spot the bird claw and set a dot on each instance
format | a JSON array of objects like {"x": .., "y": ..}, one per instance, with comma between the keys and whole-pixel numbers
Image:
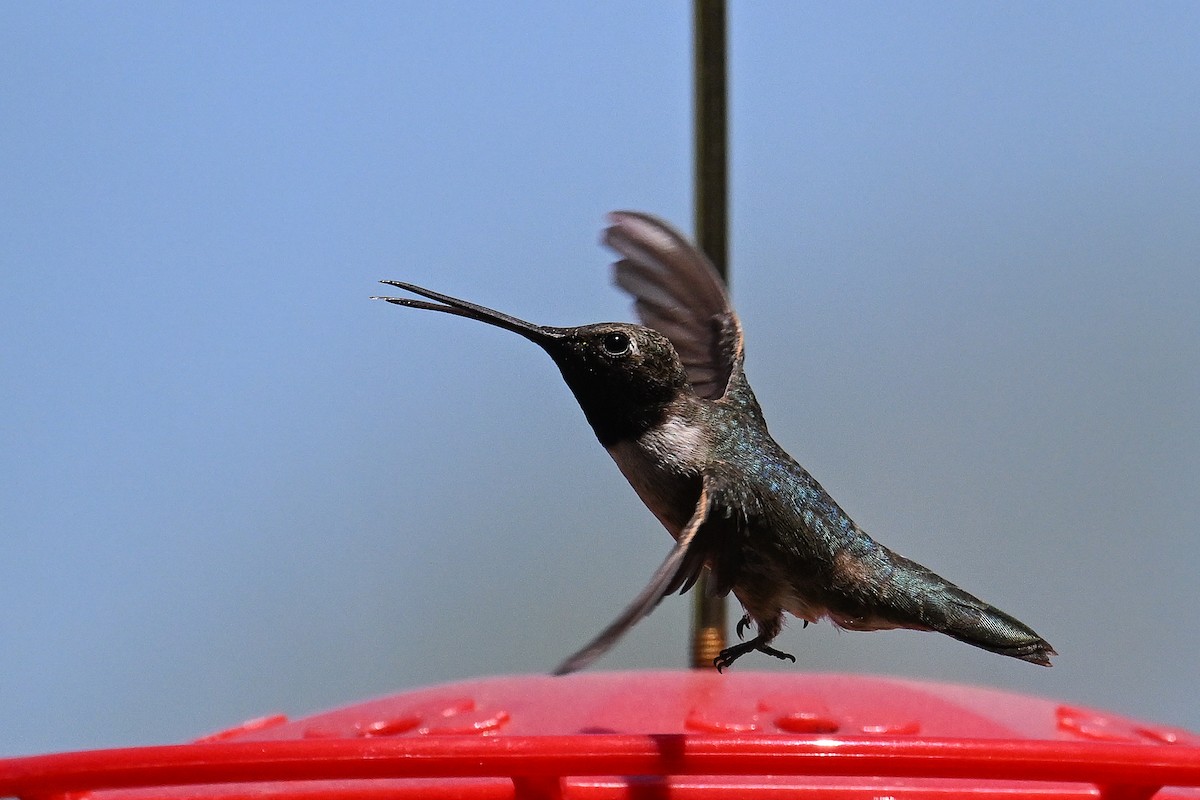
[
  {"x": 782, "y": 656},
  {"x": 743, "y": 623},
  {"x": 726, "y": 658}
]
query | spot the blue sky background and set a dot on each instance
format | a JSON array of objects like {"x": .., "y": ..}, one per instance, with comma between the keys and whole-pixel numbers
[{"x": 965, "y": 247}]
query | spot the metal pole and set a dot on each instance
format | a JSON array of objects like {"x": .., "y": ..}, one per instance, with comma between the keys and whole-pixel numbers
[{"x": 711, "y": 166}]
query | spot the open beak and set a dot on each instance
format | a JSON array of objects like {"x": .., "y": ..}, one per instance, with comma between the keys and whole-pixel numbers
[{"x": 539, "y": 334}]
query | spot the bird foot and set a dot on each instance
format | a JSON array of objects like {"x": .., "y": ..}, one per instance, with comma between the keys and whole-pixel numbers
[{"x": 729, "y": 655}]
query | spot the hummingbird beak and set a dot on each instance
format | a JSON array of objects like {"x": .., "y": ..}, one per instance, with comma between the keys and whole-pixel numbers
[{"x": 539, "y": 334}]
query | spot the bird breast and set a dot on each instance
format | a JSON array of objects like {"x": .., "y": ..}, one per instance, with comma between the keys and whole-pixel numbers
[{"x": 663, "y": 466}]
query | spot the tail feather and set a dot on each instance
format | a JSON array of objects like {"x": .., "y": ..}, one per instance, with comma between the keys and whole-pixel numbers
[
  {"x": 936, "y": 604},
  {"x": 975, "y": 622}
]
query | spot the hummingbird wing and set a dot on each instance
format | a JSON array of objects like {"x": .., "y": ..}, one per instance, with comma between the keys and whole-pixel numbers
[
  {"x": 680, "y": 568},
  {"x": 678, "y": 293}
]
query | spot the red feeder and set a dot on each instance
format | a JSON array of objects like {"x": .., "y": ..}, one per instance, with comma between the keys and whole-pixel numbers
[{"x": 633, "y": 735}]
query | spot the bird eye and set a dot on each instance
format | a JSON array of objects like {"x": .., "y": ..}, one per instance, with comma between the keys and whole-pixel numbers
[{"x": 616, "y": 344}]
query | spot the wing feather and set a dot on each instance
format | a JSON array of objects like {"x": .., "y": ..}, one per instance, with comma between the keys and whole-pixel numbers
[
  {"x": 678, "y": 293},
  {"x": 681, "y": 566}
]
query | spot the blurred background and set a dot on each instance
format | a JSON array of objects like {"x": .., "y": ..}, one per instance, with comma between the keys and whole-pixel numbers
[{"x": 965, "y": 248}]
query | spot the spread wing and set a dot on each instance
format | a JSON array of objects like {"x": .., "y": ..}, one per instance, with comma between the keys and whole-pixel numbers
[
  {"x": 680, "y": 569},
  {"x": 678, "y": 293}
]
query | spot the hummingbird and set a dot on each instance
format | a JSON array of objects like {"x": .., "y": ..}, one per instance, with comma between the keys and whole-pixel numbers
[{"x": 669, "y": 401}]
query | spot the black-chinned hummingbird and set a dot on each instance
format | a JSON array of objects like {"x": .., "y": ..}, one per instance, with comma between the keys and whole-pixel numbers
[{"x": 670, "y": 403}]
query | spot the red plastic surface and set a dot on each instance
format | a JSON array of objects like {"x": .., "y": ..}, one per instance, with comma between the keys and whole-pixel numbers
[{"x": 657, "y": 735}]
